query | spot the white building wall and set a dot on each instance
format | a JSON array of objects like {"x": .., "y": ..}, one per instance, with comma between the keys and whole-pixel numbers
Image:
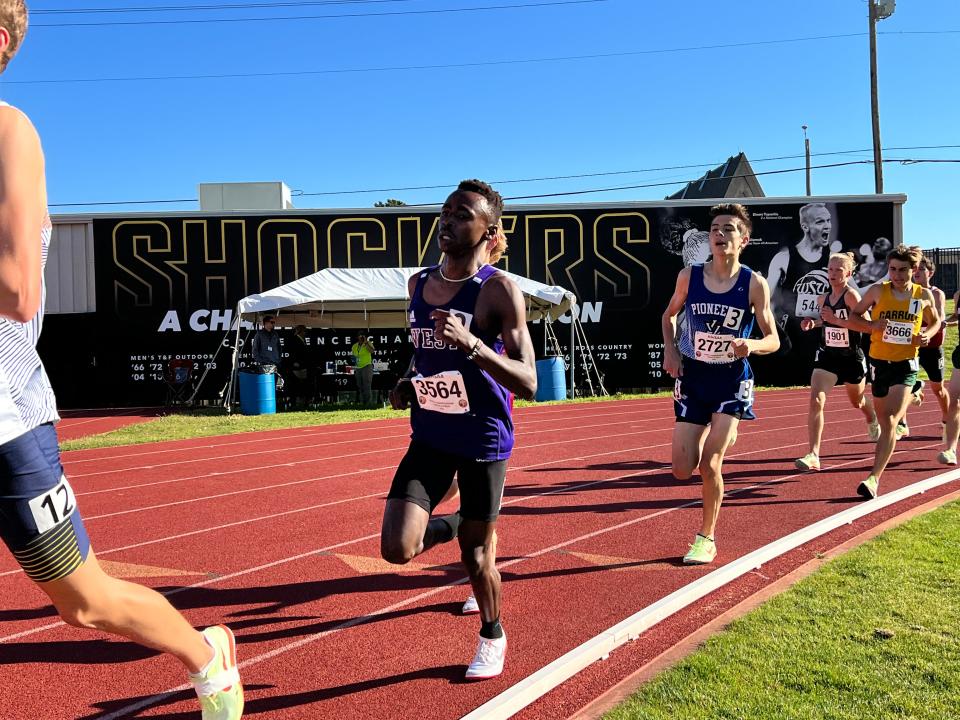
[{"x": 70, "y": 273}]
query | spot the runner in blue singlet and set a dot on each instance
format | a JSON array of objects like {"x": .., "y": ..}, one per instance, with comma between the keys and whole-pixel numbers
[
  {"x": 472, "y": 352},
  {"x": 714, "y": 382}
]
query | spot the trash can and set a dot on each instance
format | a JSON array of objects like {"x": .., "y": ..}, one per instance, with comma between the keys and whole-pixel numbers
[
  {"x": 258, "y": 390},
  {"x": 551, "y": 379}
]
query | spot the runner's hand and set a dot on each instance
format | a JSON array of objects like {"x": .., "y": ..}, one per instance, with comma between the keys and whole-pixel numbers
[
  {"x": 402, "y": 396},
  {"x": 808, "y": 323},
  {"x": 922, "y": 339},
  {"x": 827, "y": 315},
  {"x": 741, "y": 347},
  {"x": 671, "y": 361},
  {"x": 879, "y": 326},
  {"x": 450, "y": 327}
]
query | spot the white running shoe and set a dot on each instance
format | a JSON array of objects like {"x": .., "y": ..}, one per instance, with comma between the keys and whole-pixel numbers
[
  {"x": 488, "y": 662},
  {"x": 471, "y": 606}
]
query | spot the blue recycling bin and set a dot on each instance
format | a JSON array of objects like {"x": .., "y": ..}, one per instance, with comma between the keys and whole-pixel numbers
[
  {"x": 551, "y": 379},
  {"x": 258, "y": 393}
]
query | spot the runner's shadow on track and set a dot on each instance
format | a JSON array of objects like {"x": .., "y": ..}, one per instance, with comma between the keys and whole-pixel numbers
[
  {"x": 598, "y": 508},
  {"x": 575, "y": 487},
  {"x": 109, "y": 707},
  {"x": 286, "y": 701},
  {"x": 313, "y": 628},
  {"x": 74, "y": 652},
  {"x": 628, "y": 466},
  {"x": 27, "y": 614}
]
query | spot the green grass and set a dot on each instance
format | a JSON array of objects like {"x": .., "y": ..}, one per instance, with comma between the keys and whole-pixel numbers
[
  {"x": 872, "y": 635},
  {"x": 204, "y": 423}
]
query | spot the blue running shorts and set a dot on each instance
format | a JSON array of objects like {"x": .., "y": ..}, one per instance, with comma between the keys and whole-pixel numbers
[
  {"x": 39, "y": 520},
  {"x": 706, "y": 388}
]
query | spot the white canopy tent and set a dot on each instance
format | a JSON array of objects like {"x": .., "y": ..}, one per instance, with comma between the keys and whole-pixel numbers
[{"x": 366, "y": 298}]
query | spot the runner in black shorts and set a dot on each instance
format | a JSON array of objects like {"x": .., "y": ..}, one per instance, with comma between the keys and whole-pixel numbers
[
  {"x": 838, "y": 359},
  {"x": 472, "y": 351},
  {"x": 931, "y": 357},
  {"x": 952, "y": 432},
  {"x": 900, "y": 310}
]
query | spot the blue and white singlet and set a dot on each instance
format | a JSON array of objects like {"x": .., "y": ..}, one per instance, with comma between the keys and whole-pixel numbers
[
  {"x": 26, "y": 398},
  {"x": 712, "y": 320}
]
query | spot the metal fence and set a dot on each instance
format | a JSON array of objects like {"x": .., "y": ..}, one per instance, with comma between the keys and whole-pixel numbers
[{"x": 947, "y": 276}]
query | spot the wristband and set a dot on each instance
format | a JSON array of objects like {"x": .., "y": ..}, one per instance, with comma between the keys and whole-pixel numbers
[{"x": 475, "y": 350}]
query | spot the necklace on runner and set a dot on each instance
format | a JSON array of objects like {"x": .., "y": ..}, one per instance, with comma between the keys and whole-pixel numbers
[{"x": 468, "y": 277}]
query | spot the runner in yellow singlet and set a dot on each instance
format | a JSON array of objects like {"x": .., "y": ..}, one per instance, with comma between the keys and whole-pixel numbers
[{"x": 905, "y": 319}]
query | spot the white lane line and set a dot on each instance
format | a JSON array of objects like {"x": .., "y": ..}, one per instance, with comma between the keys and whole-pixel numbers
[{"x": 476, "y": 714}]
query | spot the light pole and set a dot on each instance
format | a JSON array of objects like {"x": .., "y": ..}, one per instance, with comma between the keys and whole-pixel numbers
[
  {"x": 878, "y": 10},
  {"x": 806, "y": 148}
]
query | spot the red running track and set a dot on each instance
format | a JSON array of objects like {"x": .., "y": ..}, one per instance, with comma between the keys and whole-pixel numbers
[{"x": 276, "y": 534}]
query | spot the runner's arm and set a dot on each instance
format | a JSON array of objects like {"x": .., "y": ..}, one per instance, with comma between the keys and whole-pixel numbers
[
  {"x": 858, "y": 316},
  {"x": 931, "y": 318},
  {"x": 770, "y": 342},
  {"x": 668, "y": 324},
  {"x": 951, "y": 319},
  {"x": 402, "y": 394},
  {"x": 23, "y": 209},
  {"x": 515, "y": 369}
]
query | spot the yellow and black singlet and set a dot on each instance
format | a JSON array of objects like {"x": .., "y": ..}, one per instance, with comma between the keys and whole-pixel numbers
[{"x": 904, "y": 320}]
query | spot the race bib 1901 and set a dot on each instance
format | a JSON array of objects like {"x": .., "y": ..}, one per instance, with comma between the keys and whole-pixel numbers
[
  {"x": 835, "y": 337},
  {"x": 898, "y": 333},
  {"x": 444, "y": 392},
  {"x": 713, "y": 347}
]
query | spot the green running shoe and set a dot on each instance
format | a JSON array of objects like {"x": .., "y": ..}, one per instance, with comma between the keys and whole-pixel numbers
[
  {"x": 902, "y": 430},
  {"x": 703, "y": 551},
  {"x": 218, "y": 686},
  {"x": 869, "y": 487},
  {"x": 947, "y": 457}
]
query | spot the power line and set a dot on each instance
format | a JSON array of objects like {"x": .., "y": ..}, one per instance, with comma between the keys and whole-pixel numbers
[
  {"x": 608, "y": 173},
  {"x": 191, "y": 8},
  {"x": 731, "y": 177},
  {"x": 903, "y": 161},
  {"x": 446, "y": 66},
  {"x": 389, "y": 13}
]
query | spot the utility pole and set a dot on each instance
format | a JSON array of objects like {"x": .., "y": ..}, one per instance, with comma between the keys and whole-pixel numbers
[
  {"x": 878, "y": 10},
  {"x": 806, "y": 147}
]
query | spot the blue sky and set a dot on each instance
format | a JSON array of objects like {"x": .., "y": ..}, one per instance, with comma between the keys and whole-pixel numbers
[{"x": 651, "y": 102}]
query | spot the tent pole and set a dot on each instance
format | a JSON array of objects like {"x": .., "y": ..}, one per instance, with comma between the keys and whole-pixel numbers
[
  {"x": 228, "y": 396},
  {"x": 573, "y": 314}
]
